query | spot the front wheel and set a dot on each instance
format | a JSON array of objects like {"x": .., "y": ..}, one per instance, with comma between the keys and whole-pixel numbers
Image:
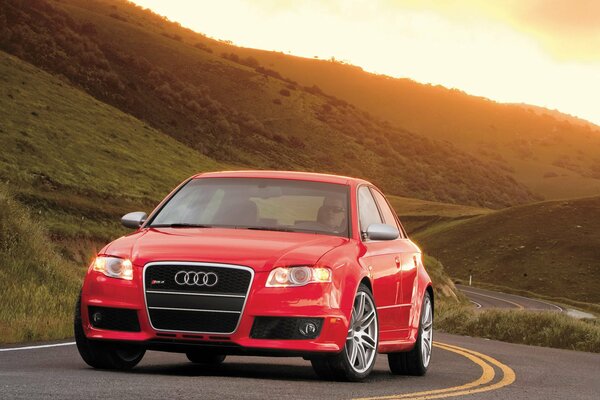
[
  {"x": 357, "y": 359},
  {"x": 104, "y": 355},
  {"x": 416, "y": 361}
]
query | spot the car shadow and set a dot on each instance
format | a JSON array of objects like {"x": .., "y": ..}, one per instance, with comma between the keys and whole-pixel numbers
[
  {"x": 232, "y": 369},
  {"x": 266, "y": 371}
]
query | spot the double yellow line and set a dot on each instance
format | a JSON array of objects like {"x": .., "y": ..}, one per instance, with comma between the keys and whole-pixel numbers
[{"x": 482, "y": 384}]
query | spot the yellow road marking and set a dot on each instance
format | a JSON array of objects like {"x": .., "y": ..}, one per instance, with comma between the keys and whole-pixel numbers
[
  {"x": 520, "y": 307},
  {"x": 476, "y": 386},
  {"x": 508, "y": 377}
]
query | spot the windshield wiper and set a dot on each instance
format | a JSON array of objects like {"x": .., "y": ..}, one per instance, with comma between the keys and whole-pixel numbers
[
  {"x": 269, "y": 228},
  {"x": 180, "y": 225}
]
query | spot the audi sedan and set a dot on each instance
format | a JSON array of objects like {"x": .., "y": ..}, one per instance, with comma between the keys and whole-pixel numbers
[{"x": 262, "y": 263}]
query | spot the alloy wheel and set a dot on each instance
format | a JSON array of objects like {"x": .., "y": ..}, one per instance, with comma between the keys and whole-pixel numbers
[{"x": 361, "y": 341}]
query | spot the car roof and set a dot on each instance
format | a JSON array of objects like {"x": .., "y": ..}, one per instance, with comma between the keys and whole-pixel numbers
[{"x": 302, "y": 176}]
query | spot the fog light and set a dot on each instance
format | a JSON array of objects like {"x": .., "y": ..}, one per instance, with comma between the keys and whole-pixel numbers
[
  {"x": 97, "y": 317},
  {"x": 307, "y": 329}
]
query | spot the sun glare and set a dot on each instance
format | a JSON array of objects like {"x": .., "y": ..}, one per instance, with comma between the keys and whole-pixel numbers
[{"x": 484, "y": 49}]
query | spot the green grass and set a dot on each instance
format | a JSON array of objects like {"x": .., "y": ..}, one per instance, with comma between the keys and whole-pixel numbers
[
  {"x": 38, "y": 286},
  {"x": 550, "y": 248},
  {"x": 79, "y": 163},
  {"x": 454, "y": 314},
  {"x": 417, "y": 215},
  {"x": 153, "y": 70}
]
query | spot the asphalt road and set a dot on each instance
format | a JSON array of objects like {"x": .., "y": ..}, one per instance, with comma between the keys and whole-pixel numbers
[
  {"x": 476, "y": 369},
  {"x": 483, "y": 298}
]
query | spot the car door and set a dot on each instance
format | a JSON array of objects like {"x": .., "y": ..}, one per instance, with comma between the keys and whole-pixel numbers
[
  {"x": 407, "y": 268},
  {"x": 380, "y": 259}
]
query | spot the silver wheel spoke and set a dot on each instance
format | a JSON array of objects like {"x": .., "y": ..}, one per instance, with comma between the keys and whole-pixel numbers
[
  {"x": 360, "y": 307},
  {"x": 369, "y": 342},
  {"x": 362, "y": 357},
  {"x": 368, "y": 319},
  {"x": 427, "y": 346},
  {"x": 353, "y": 352}
]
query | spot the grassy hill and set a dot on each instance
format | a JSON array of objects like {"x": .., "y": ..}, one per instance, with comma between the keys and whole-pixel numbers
[
  {"x": 417, "y": 215},
  {"x": 551, "y": 248},
  {"x": 238, "y": 111},
  {"x": 78, "y": 163},
  {"x": 38, "y": 287},
  {"x": 553, "y": 154}
]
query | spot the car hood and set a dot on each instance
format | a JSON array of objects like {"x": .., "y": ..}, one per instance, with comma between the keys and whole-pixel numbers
[{"x": 260, "y": 250}]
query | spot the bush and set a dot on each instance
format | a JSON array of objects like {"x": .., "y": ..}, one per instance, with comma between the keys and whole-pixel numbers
[{"x": 284, "y": 92}]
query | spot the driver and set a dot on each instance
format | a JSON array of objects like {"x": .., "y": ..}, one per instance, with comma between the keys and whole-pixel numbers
[{"x": 333, "y": 213}]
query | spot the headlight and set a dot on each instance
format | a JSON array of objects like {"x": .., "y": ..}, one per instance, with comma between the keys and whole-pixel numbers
[
  {"x": 298, "y": 276},
  {"x": 114, "y": 267}
]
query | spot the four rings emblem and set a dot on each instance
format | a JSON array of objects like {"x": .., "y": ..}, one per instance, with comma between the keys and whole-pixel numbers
[{"x": 193, "y": 278}]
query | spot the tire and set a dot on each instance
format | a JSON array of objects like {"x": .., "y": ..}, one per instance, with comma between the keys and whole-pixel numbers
[
  {"x": 416, "y": 361},
  {"x": 198, "y": 357},
  {"x": 104, "y": 355},
  {"x": 356, "y": 361}
]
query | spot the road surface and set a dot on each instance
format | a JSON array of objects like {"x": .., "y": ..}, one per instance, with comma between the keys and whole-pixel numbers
[
  {"x": 462, "y": 367},
  {"x": 483, "y": 298}
]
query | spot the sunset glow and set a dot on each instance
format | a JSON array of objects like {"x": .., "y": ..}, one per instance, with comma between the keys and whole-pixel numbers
[{"x": 544, "y": 53}]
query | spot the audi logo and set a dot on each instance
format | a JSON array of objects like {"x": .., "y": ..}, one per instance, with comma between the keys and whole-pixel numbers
[{"x": 193, "y": 278}]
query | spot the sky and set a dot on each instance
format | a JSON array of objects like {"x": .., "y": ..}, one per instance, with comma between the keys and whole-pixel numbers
[{"x": 541, "y": 52}]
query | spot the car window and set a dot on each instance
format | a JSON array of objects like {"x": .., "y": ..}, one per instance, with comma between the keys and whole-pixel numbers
[
  {"x": 259, "y": 203},
  {"x": 367, "y": 209},
  {"x": 389, "y": 216}
]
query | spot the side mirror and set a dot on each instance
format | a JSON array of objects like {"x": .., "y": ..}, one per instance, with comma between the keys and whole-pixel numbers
[
  {"x": 382, "y": 232},
  {"x": 134, "y": 219}
]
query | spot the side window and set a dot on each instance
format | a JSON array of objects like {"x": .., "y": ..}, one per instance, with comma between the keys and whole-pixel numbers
[
  {"x": 367, "y": 209},
  {"x": 388, "y": 215}
]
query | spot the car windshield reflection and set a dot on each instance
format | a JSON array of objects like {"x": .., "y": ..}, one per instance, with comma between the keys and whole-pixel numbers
[{"x": 258, "y": 204}]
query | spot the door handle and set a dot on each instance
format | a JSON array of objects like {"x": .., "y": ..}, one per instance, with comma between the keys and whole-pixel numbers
[{"x": 397, "y": 259}]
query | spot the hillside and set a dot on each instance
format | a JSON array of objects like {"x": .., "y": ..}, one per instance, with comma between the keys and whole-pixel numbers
[
  {"x": 38, "y": 287},
  {"x": 236, "y": 112},
  {"x": 551, "y": 248},
  {"x": 553, "y": 154},
  {"x": 79, "y": 163},
  {"x": 417, "y": 215}
]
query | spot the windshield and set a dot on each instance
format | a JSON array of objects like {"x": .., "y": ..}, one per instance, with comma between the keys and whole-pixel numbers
[{"x": 263, "y": 204}]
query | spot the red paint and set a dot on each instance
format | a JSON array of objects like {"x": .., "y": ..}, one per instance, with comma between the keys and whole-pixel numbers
[{"x": 398, "y": 282}]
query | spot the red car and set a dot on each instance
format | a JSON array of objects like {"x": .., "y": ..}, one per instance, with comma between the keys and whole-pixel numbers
[{"x": 262, "y": 263}]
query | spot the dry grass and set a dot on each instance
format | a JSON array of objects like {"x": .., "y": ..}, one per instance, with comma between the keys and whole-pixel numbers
[
  {"x": 547, "y": 329},
  {"x": 38, "y": 287}
]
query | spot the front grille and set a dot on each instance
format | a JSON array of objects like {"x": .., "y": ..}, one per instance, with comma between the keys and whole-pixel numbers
[
  {"x": 193, "y": 320},
  {"x": 195, "y": 308},
  {"x": 284, "y": 328},
  {"x": 231, "y": 280},
  {"x": 114, "y": 319}
]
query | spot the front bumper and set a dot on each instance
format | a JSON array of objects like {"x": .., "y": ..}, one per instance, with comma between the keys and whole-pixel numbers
[{"x": 310, "y": 301}]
